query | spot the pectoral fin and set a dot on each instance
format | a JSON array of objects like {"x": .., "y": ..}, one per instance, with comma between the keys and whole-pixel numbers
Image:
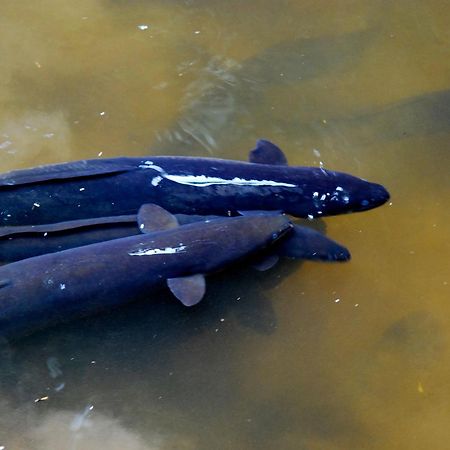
[
  {"x": 5, "y": 282},
  {"x": 189, "y": 290},
  {"x": 154, "y": 218},
  {"x": 266, "y": 263},
  {"x": 267, "y": 153}
]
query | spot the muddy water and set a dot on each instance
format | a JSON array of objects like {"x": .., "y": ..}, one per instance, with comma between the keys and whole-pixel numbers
[{"x": 306, "y": 356}]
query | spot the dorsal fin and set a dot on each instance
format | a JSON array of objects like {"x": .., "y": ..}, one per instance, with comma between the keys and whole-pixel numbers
[
  {"x": 154, "y": 218},
  {"x": 267, "y": 153},
  {"x": 189, "y": 290},
  {"x": 259, "y": 212},
  {"x": 76, "y": 169},
  {"x": 185, "y": 219},
  {"x": 64, "y": 226}
]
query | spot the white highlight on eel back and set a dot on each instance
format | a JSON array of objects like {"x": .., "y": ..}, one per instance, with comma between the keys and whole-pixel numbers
[
  {"x": 157, "y": 251},
  {"x": 204, "y": 181}
]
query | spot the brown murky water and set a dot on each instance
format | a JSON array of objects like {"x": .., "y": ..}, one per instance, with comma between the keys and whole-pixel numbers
[{"x": 306, "y": 356}]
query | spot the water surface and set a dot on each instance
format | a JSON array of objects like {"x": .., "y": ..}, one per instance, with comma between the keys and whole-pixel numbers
[{"x": 305, "y": 356}]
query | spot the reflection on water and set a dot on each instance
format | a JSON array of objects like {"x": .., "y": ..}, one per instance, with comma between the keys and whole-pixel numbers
[
  {"x": 305, "y": 356},
  {"x": 226, "y": 93}
]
